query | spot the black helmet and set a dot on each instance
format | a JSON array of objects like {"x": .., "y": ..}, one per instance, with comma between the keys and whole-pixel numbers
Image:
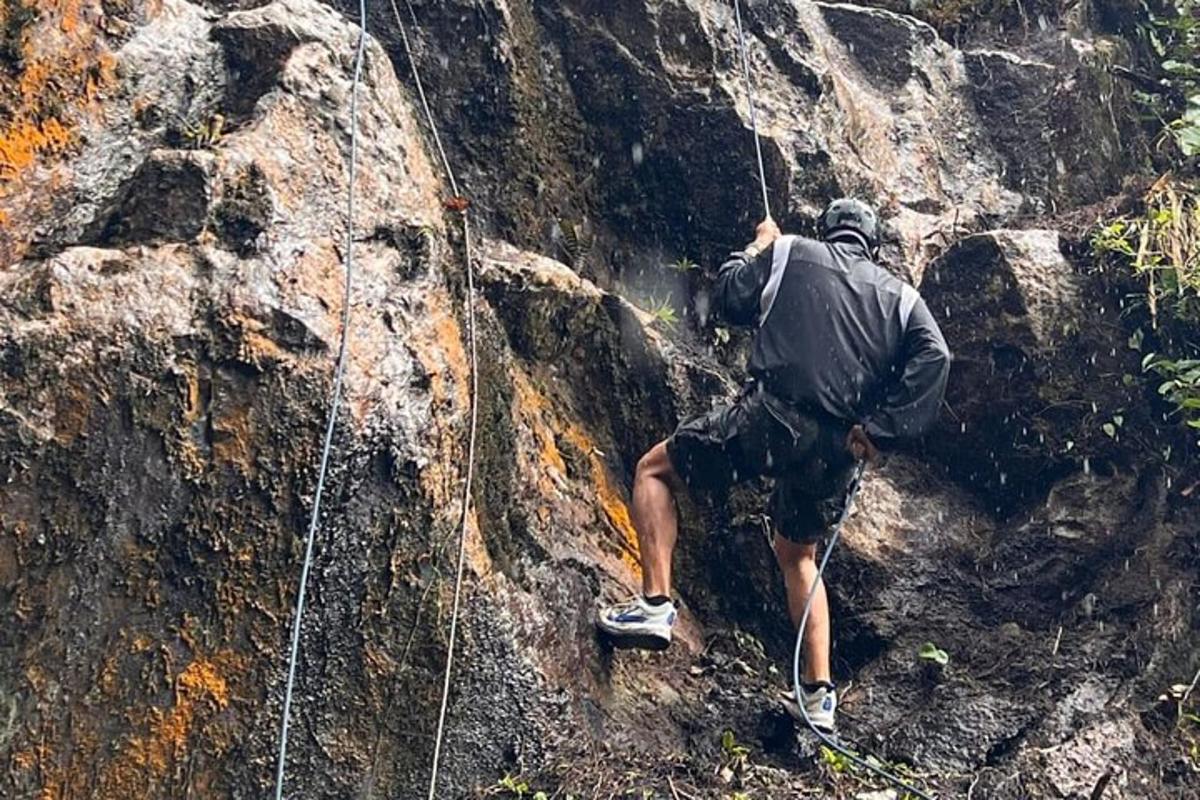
[{"x": 848, "y": 214}]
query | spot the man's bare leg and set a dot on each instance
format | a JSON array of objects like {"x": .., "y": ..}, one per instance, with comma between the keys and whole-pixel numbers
[
  {"x": 655, "y": 518},
  {"x": 799, "y": 565}
]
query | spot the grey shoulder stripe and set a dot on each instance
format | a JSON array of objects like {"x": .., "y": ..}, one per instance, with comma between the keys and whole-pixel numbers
[
  {"x": 908, "y": 301},
  {"x": 780, "y": 251}
]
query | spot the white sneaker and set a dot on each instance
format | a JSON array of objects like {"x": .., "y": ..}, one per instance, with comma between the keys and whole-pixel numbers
[
  {"x": 637, "y": 624},
  {"x": 821, "y": 705}
]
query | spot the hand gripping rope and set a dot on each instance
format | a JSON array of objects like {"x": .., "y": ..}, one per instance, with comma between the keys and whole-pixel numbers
[
  {"x": 828, "y": 741},
  {"x": 459, "y": 204},
  {"x": 333, "y": 409}
]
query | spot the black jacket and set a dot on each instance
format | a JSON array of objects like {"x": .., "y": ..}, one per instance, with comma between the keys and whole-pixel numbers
[{"x": 838, "y": 334}]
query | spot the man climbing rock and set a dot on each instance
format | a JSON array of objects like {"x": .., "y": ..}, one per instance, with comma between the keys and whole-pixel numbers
[{"x": 846, "y": 355}]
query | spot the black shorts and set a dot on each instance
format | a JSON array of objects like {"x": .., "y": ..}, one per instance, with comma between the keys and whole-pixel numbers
[{"x": 761, "y": 435}]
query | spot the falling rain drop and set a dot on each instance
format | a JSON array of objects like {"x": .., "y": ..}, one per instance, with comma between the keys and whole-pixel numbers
[{"x": 638, "y": 153}]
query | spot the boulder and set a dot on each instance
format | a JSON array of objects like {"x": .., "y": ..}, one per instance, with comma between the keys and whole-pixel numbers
[{"x": 1039, "y": 359}]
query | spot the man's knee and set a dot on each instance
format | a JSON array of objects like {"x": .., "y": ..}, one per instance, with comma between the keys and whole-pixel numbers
[{"x": 656, "y": 463}]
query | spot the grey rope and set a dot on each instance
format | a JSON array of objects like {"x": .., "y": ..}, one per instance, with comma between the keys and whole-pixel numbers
[
  {"x": 333, "y": 409},
  {"x": 762, "y": 173},
  {"x": 851, "y": 492},
  {"x": 466, "y": 497}
]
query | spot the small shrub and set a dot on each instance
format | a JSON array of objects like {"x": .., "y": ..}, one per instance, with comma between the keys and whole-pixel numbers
[
  {"x": 663, "y": 312},
  {"x": 932, "y": 653}
]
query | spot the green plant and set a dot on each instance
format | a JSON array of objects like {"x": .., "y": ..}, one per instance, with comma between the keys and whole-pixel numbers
[
  {"x": 1111, "y": 427},
  {"x": 515, "y": 786},
  {"x": 835, "y": 760},
  {"x": 684, "y": 264},
  {"x": 731, "y": 747},
  {"x": 1173, "y": 33},
  {"x": 576, "y": 243},
  {"x": 663, "y": 312},
  {"x": 1162, "y": 246},
  {"x": 932, "y": 653},
  {"x": 1113, "y": 238},
  {"x": 1180, "y": 385}
]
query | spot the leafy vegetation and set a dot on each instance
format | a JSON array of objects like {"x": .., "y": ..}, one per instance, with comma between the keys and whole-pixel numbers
[
  {"x": 735, "y": 760},
  {"x": 732, "y": 748},
  {"x": 932, "y": 653},
  {"x": 663, "y": 312},
  {"x": 1187, "y": 717},
  {"x": 576, "y": 243},
  {"x": 512, "y": 786},
  {"x": 1181, "y": 385},
  {"x": 1173, "y": 33},
  {"x": 1161, "y": 248}
]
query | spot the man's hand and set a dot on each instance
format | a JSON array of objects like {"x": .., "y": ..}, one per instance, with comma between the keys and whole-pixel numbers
[
  {"x": 766, "y": 233},
  {"x": 861, "y": 446},
  {"x": 764, "y": 236}
]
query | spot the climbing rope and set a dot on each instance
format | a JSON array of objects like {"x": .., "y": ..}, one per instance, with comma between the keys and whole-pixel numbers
[
  {"x": 461, "y": 206},
  {"x": 762, "y": 173},
  {"x": 851, "y": 492},
  {"x": 333, "y": 409}
]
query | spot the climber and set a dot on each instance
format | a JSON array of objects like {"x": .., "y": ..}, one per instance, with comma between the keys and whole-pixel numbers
[{"x": 845, "y": 355}]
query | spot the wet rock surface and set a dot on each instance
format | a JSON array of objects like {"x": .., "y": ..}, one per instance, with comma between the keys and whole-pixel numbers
[
  {"x": 1039, "y": 355},
  {"x": 170, "y": 298}
]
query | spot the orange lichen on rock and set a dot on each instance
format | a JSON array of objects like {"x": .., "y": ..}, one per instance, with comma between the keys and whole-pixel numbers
[
  {"x": 233, "y": 437},
  {"x": 532, "y": 407},
  {"x": 611, "y": 500},
  {"x": 200, "y": 688},
  {"x": 437, "y": 345},
  {"x": 22, "y": 143},
  {"x": 53, "y": 84}
]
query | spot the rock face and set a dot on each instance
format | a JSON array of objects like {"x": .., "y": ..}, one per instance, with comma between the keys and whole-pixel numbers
[
  {"x": 1039, "y": 360},
  {"x": 170, "y": 305}
]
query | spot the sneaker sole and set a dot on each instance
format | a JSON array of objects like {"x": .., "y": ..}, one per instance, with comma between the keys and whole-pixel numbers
[{"x": 635, "y": 641}]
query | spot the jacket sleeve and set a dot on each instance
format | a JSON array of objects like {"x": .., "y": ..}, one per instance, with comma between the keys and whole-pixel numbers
[
  {"x": 740, "y": 285},
  {"x": 911, "y": 406}
]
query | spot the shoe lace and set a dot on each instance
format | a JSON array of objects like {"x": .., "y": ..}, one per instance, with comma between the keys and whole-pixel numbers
[{"x": 629, "y": 605}]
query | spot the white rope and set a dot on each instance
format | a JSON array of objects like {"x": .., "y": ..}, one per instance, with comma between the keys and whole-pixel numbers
[
  {"x": 333, "y": 410},
  {"x": 466, "y": 497},
  {"x": 828, "y": 741},
  {"x": 762, "y": 173}
]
